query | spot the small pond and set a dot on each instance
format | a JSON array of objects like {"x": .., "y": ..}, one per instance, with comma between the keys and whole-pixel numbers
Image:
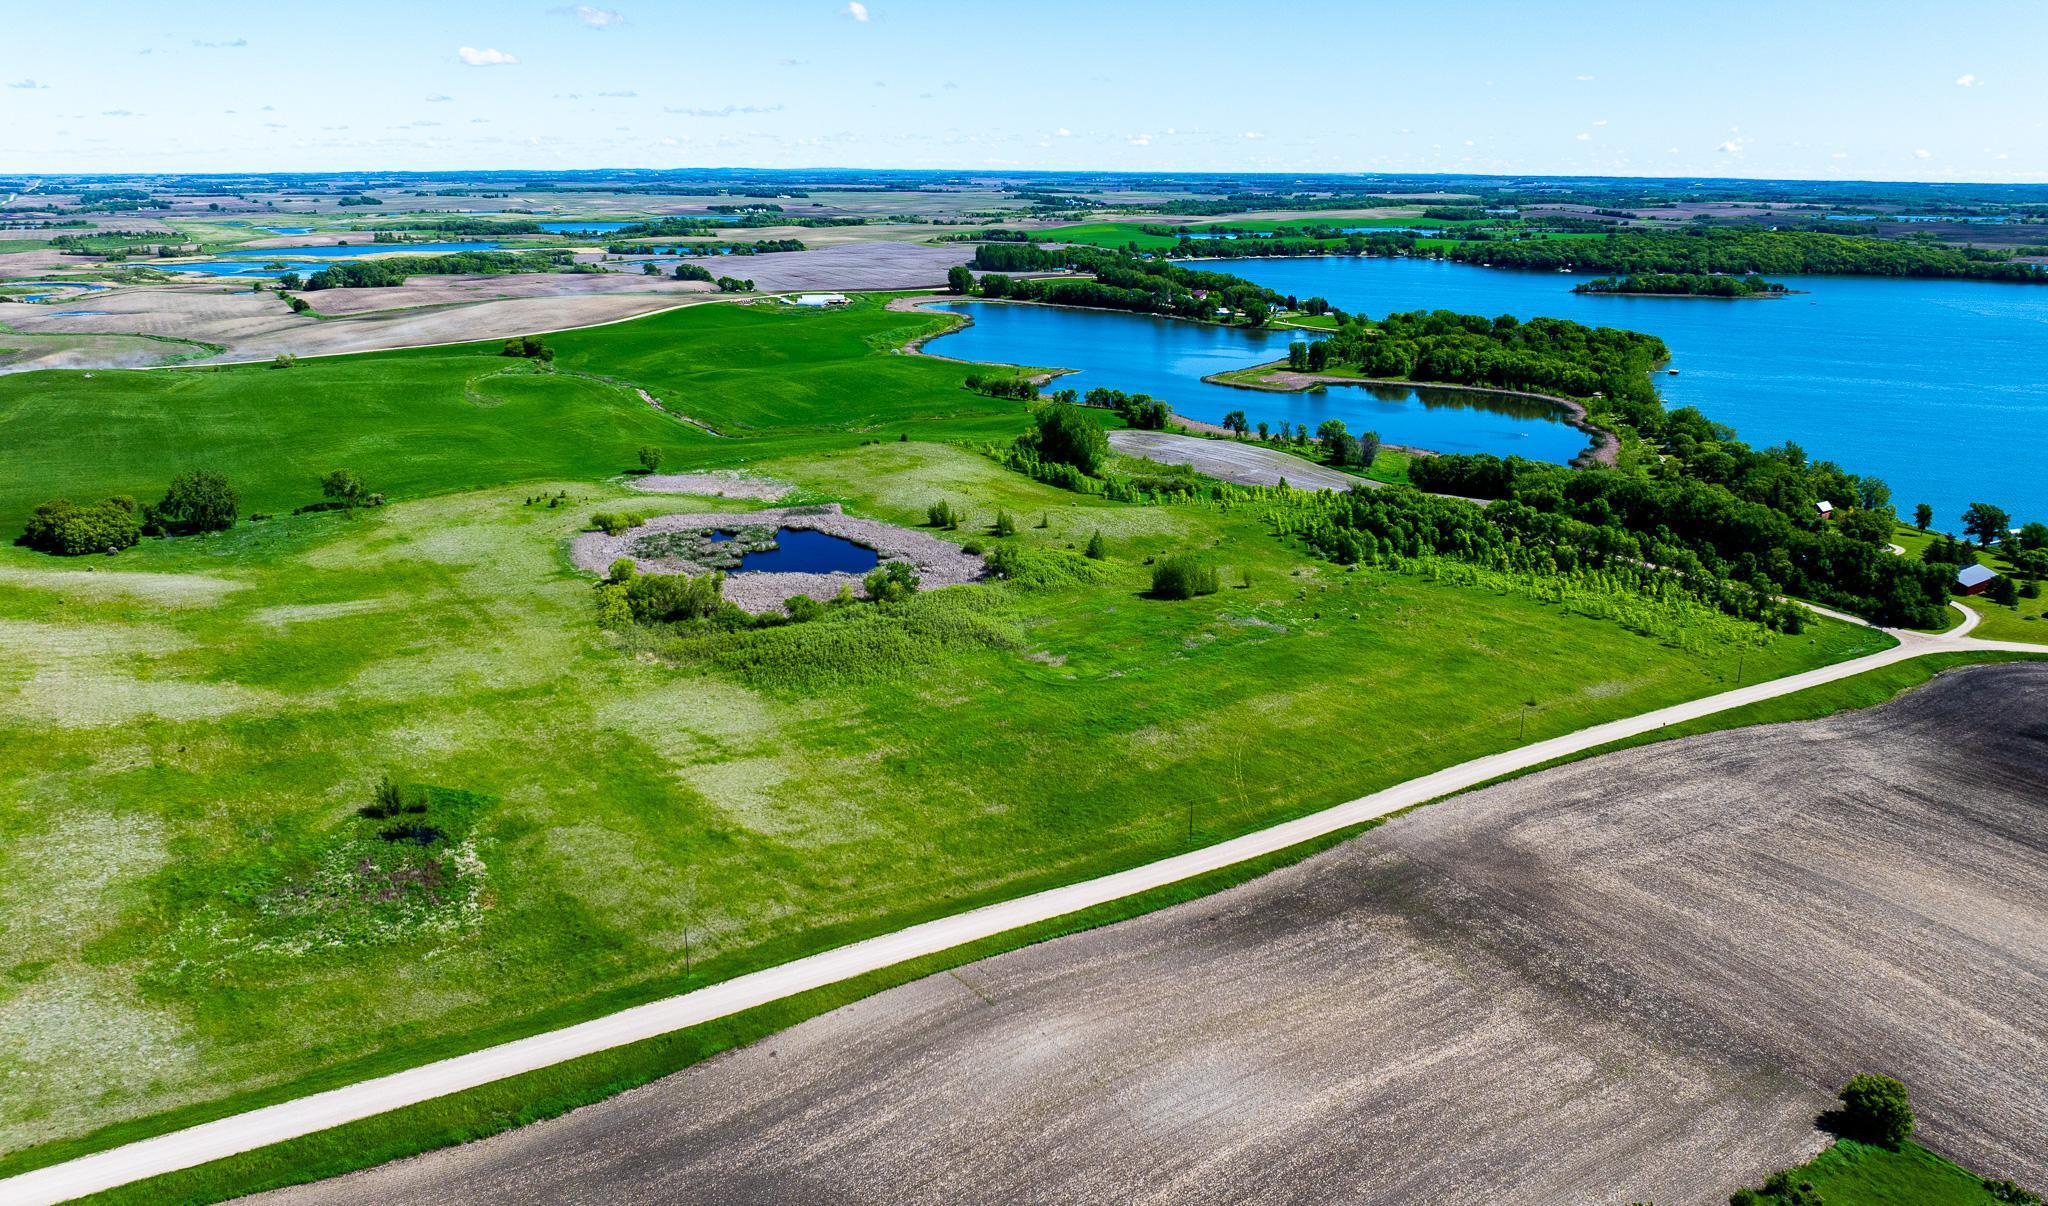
[{"x": 802, "y": 551}]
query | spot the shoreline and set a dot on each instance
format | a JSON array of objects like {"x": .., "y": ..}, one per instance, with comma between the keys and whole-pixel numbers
[
  {"x": 1606, "y": 446},
  {"x": 1605, "y": 449}
]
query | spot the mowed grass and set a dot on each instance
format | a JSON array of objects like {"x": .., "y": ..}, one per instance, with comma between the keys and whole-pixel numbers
[
  {"x": 446, "y": 419},
  {"x": 1865, "y": 1175},
  {"x": 187, "y": 729}
]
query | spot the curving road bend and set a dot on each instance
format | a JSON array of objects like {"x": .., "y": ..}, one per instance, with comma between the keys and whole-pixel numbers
[{"x": 292, "y": 1119}]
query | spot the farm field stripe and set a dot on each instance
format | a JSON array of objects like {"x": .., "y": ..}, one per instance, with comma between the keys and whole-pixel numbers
[{"x": 292, "y": 1119}]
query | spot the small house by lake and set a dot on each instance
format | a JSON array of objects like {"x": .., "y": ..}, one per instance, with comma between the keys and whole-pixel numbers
[{"x": 1972, "y": 579}]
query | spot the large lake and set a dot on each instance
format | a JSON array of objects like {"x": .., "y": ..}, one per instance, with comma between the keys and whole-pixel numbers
[
  {"x": 1939, "y": 387},
  {"x": 1168, "y": 358},
  {"x": 251, "y": 261}
]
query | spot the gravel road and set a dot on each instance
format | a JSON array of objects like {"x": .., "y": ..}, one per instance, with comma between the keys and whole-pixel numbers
[{"x": 1639, "y": 976}]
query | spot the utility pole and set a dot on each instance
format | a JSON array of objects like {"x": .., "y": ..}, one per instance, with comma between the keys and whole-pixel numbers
[{"x": 1741, "y": 655}]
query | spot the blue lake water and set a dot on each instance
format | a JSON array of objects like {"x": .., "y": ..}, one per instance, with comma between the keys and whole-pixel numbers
[
  {"x": 1168, "y": 358},
  {"x": 583, "y": 227},
  {"x": 1935, "y": 386},
  {"x": 252, "y": 261},
  {"x": 802, "y": 551}
]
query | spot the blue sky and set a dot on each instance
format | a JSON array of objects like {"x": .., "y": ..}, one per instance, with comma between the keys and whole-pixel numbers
[{"x": 1789, "y": 88}]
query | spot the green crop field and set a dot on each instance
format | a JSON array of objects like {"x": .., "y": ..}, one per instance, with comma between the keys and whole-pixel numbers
[{"x": 197, "y": 917}]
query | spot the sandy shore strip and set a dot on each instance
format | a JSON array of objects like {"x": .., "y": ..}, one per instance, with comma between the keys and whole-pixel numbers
[
  {"x": 1233, "y": 461},
  {"x": 938, "y": 563}
]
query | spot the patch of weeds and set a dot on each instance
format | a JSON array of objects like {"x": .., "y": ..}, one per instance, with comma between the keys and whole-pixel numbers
[
  {"x": 707, "y": 548},
  {"x": 365, "y": 883}
]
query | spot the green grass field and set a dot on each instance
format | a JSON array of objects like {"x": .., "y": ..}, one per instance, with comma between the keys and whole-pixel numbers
[
  {"x": 1849, "y": 1173},
  {"x": 189, "y": 727}
]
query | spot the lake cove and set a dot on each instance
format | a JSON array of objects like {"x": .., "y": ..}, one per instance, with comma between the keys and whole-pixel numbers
[
  {"x": 1871, "y": 373},
  {"x": 1168, "y": 358}
]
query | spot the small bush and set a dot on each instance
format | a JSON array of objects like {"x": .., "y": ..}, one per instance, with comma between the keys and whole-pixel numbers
[
  {"x": 972, "y": 548},
  {"x": 284, "y": 360},
  {"x": 1182, "y": 576},
  {"x": 611, "y": 524},
  {"x": 197, "y": 501},
  {"x": 803, "y": 608},
  {"x": 1005, "y": 526},
  {"x": 530, "y": 348},
  {"x": 892, "y": 582},
  {"x": 2011, "y": 1194},
  {"x": 63, "y": 527},
  {"x": 939, "y": 514},
  {"x": 1875, "y": 1110},
  {"x": 1096, "y": 550}
]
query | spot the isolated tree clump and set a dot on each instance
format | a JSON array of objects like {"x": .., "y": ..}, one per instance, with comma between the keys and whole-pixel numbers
[
  {"x": 1182, "y": 576},
  {"x": 650, "y": 458},
  {"x": 200, "y": 500},
  {"x": 63, "y": 527},
  {"x": 344, "y": 489},
  {"x": 1875, "y": 1110},
  {"x": 1064, "y": 434}
]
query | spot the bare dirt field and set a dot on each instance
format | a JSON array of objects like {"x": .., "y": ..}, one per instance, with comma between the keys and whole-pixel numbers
[
  {"x": 850, "y": 266},
  {"x": 1639, "y": 976},
  {"x": 256, "y": 326},
  {"x": 1230, "y": 461}
]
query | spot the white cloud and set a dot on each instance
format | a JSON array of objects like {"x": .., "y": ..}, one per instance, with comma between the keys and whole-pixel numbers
[
  {"x": 27, "y": 84},
  {"x": 1583, "y": 79},
  {"x": 237, "y": 44},
  {"x": 1139, "y": 140},
  {"x": 1583, "y": 137},
  {"x": 1732, "y": 147},
  {"x": 856, "y": 10},
  {"x": 439, "y": 98},
  {"x": 626, "y": 94},
  {"x": 1922, "y": 153},
  {"x": 595, "y": 17},
  {"x": 1062, "y": 132},
  {"x": 1601, "y": 122},
  {"x": 487, "y": 57},
  {"x": 722, "y": 110},
  {"x": 119, "y": 113},
  {"x": 1251, "y": 134},
  {"x": 1966, "y": 80},
  {"x": 1839, "y": 155}
]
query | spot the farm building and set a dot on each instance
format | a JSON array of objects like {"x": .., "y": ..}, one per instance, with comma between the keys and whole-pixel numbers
[
  {"x": 820, "y": 299},
  {"x": 1972, "y": 579}
]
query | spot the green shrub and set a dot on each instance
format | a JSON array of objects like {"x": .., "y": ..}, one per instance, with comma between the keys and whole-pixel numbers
[
  {"x": 1096, "y": 550},
  {"x": 650, "y": 458},
  {"x": 1875, "y": 1110},
  {"x": 1005, "y": 526},
  {"x": 613, "y": 611},
  {"x": 1064, "y": 434},
  {"x": 891, "y": 582},
  {"x": 611, "y": 523},
  {"x": 1182, "y": 576},
  {"x": 200, "y": 500},
  {"x": 802, "y": 608},
  {"x": 940, "y": 515},
  {"x": 2011, "y": 1194},
  {"x": 343, "y": 488},
  {"x": 63, "y": 527},
  {"x": 666, "y": 598}
]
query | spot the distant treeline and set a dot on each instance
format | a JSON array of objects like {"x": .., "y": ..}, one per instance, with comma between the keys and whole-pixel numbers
[
  {"x": 385, "y": 274},
  {"x": 1122, "y": 282},
  {"x": 1683, "y": 284},
  {"x": 1743, "y": 252},
  {"x": 468, "y": 226}
]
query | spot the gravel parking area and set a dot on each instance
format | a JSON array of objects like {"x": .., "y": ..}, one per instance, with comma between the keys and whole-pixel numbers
[
  {"x": 1230, "y": 461},
  {"x": 938, "y": 563},
  {"x": 1635, "y": 977}
]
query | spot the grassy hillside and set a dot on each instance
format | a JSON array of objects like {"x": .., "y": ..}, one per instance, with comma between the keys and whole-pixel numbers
[{"x": 195, "y": 911}]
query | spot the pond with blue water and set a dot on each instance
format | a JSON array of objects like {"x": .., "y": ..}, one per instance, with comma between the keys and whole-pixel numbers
[{"x": 803, "y": 551}]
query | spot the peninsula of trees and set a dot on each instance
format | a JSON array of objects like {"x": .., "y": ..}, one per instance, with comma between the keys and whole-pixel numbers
[
  {"x": 1681, "y": 284},
  {"x": 1743, "y": 252}
]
